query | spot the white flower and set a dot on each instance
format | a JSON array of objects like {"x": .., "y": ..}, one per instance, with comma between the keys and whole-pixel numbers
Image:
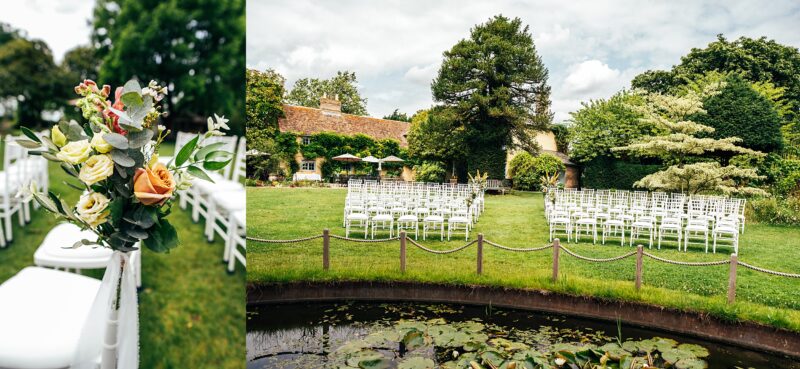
[
  {"x": 560, "y": 361},
  {"x": 221, "y": 122},
  {"x": 96, "y": 169},
  {"x": 75, "y": 152},
  {"x": 99, "y": 143},
  {"x": 211, "y": 126},
  {"x": 91, "y": 208}
]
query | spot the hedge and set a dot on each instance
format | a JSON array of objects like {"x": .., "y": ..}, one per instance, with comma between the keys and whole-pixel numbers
[{"x": 604, "y": 172}]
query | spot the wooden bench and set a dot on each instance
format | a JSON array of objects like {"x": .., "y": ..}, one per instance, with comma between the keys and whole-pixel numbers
[{"x": 496, "y": 185}]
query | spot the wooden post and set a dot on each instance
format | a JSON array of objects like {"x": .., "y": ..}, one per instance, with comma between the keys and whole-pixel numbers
[
  {"x": 480, "y": 253},
  {"x": 402, "y": 251},
  {"x": 556, "y": 250},
  {"x": 639, "y": 254},
  {"x": 732, "y": 279},
  {"x": 326, "y": 249}
]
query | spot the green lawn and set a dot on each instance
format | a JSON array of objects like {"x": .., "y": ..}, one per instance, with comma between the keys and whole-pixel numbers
[
  {"x": 191, "y": 311},
  {"x": 517, "y": 220}
]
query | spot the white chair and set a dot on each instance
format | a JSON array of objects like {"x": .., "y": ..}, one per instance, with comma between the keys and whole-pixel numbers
[
  {"x": 695, "y": 228},
  {"x": 670, "y": 227},
  {"x": 42, "y": 314},
  {"x": 614, "y": 227},
  {"x": 12, "y": 179},
  {"x": 408, "y": 222},
  {"x": 236, "y": 238},
  {"x": 458, "y": 222},
  {"x": 357, "y": 220},
  {"x": 644, "y": 225},
  {"x": 727, "y": 229},
  {"x": 560, "y": 221},
  {"x": 382, "y": 220},
  {"x": 220, "y": 205},
  {"x": 586, "y": 224},
  {"x": 431, "y": 223},
  {"x": 201, "y": 190}
]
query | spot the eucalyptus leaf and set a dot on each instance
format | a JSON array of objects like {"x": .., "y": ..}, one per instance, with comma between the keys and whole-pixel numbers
[
  {"x": 74, "y": 131},
  {"x": 69, "y": 169},
  {"x": 116, "y": 140},
  {"x": 49, "y": 144},
  {"x": 139, "y": 139},
  {"x": 132, "y": 86},
  {"x": 137, "y": 233},
  {"x": 27, "y": 132},
  {"x": 199, "y": 173},
  {"x": 137, "y": 156},
  {"x": 121, "y": 157},
  {"x": 131, "y": 99},
  {"x": 186, "y": 151},
  {"x": 46, "y": 203},
  {"x": 28, "y": 144}
]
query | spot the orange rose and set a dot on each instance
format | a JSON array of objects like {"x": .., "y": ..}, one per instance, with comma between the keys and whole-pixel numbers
[{"x": 153, "y": 186}]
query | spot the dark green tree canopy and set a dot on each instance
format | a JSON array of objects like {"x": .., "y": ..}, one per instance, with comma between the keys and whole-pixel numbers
[
  {"x": 739, "y": 111},
  {"x": 196, "y": 47},
  {"x": 397, "y": 115},
  {"x": 308, "y": 91},
  {"x": 497, "y": 85},
  {"x": 660, "y": 81},
  {"x": 436, "y": 135},
  {"x": 264, "y": 96}
]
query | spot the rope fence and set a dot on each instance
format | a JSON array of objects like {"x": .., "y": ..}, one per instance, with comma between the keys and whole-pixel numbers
[{"x": 639, "y": 253}]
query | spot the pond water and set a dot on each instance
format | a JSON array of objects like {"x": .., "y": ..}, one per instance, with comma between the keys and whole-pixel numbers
[{"x": 419, "y": 336}]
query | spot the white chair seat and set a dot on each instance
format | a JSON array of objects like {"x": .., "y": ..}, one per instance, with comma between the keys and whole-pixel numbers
[
  {"x": 458, "y": 220},
  {"x": 230, "y": 200},
  {"x": 357, "y": 216},
  {"x": 730, "y": 230},
  {"x": 586, "y": 221},
  {"x": 407, "y": 218},
  {"x": 56, "y": 252},
  {"x": 382, "y": 218},
  {"x": 695, "y": 228},
  {"x": 643, "y": 224},
  {"x": 206, "y": 187},
  {"x": 615, "y": 222},
  {"x": 434, "y": 218},
  {"x": 42, "y": 314}
]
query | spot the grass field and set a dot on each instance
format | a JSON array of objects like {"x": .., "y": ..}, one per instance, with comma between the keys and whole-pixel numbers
[
  {"x": 191, "y": 311},
  {"x": 517, "y": 220}
]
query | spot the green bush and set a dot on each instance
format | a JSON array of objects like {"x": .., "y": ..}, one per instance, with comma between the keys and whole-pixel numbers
[
  {"x": 429, "y": 172},
  {"x": 488, "y": 159},
  {"x": 776, "y": 210},
  {"x": 740, "y": 111},
  {"x": 527, "y": 170},
  {"x": 784, "y": 174},
  {"x": 605, "y": 172}
]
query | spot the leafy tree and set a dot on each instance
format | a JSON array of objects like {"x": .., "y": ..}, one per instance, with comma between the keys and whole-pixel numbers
[
  {"x": 561, "y": 133},
  {"x": 530, "y": 172},
  {"x": 197, "y": 47},
  {"x": 436, "y": 135},
  {"x": 308, "y": 91},
  {"x": 29, "y": 76},
  {"x": 496, "y": 84},
  {"x": 659, "y": 81},
  {"x": 429, "y": 172},
  {"x": 397, "y": 115},
  {"x": 692, "y": 161},
  {"x": 80, "y": 63},
  {"x": 739, "y": 111},
  {"x": 600, "y": 125},
  {"x": 263, "y": 100}
]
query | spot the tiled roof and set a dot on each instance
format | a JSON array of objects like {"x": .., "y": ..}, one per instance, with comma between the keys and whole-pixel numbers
[{"x": 308, "y": 121}]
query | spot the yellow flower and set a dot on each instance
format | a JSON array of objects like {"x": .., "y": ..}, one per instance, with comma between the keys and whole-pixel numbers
[
  {"x": 57, "y": 137},
  {"x": 75, "y": 152},
  {"x": 96, "y": 169},
  {"x": 99, "y": 144},
  {"x": 92, "y": 207},
  {"x": 153, "y": 160}
]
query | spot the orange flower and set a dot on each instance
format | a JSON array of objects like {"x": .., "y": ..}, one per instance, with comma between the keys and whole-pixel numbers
[{"x": 153, "y": 186}]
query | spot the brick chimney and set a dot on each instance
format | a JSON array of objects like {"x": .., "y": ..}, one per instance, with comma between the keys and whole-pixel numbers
[{"x": 330, "y": 104}]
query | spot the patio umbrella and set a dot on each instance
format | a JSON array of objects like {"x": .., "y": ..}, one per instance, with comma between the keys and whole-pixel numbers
[
  {"x": 392, "y": 159},
  {"x": 372, "y": 159},
  {"x": 348, "y": 158}
]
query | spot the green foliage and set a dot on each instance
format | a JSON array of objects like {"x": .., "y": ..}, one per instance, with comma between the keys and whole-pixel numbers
[
  {"x": 29, "y": 76},
  {"x": 496, "y": 83},
  {"x": 613, "y": 173},
  {"x": 562, "y": 135},
  {"x": 777, "y": 210},
  {"x": 527, "y": 170},
  {"x": 397, "y": 115},
  {"x": 308, "y": 91},
  {"x": 429, "y": 172},
  {"x": 196, "y": 45},
  {"x": 784, "y": 173},
  {"x": 739, "y": 111},
  {"x": 263, "y": 100},
  {"x": 658, "y": 81},
  {"x": 601, "y": 125},
  {"x": 435, "y": 135}
]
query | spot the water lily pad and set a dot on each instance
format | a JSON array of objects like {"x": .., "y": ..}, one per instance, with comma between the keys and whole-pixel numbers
[
  {"x": 417, "y": 363},
  {"x": 413, "y": 339},
  {"x": 492, "y": 358},
  {"x": 692, "y": 363},
  {"x": 697, "y": 350},
  {"x": 357, "y": 358},
  {"x": 379, "y": 363}
]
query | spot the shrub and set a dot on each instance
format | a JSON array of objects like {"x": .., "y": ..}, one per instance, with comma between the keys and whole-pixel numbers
[
  {"x": 606, "y": 172},
  {"x": 785, "y": 175},
  {"x": 740, "y": 111},
  {"x": 429, "y": 172},
  {"x": 776, "y": 210},
  {"x": 527, "y": 170}
]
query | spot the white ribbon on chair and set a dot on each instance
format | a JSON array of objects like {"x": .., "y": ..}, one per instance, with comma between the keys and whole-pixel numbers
[{"x": 101, "y": 319}]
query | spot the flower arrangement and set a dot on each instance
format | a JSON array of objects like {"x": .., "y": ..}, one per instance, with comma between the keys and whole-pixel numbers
[{"x": 127, "y": 191}]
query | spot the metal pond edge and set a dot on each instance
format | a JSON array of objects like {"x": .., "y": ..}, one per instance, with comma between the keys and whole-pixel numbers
[{"x": 744, "y": 334}]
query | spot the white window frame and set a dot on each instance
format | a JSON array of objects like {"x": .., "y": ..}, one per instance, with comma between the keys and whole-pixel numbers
[
  {"x": 308, "y": 165},
  {"x": 306, "y": 140}
]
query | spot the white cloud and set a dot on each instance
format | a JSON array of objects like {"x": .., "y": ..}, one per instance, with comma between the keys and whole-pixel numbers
[
  {"x": 63, "y": 24},
  {"x": 589, "y": 77},
  {"x": 422, "y": 75}
]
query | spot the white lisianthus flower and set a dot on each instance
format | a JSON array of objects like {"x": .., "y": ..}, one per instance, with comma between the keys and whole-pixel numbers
[
  {"x": 99, "y": 144},
  {"x": 221, "y": 122},
  {"x": 96, "y": 169},
  {"x": 92, "y": 209},
  {"x": 75, "y": 152}
]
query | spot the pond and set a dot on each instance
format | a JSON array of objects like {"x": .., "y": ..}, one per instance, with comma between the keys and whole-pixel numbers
[{"x": 418, "y": 336}]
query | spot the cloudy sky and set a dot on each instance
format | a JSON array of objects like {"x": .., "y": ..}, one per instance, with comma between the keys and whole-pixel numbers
[
  {"x": 591, "y": 48},
  {"x": 63, "y": 24}
]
